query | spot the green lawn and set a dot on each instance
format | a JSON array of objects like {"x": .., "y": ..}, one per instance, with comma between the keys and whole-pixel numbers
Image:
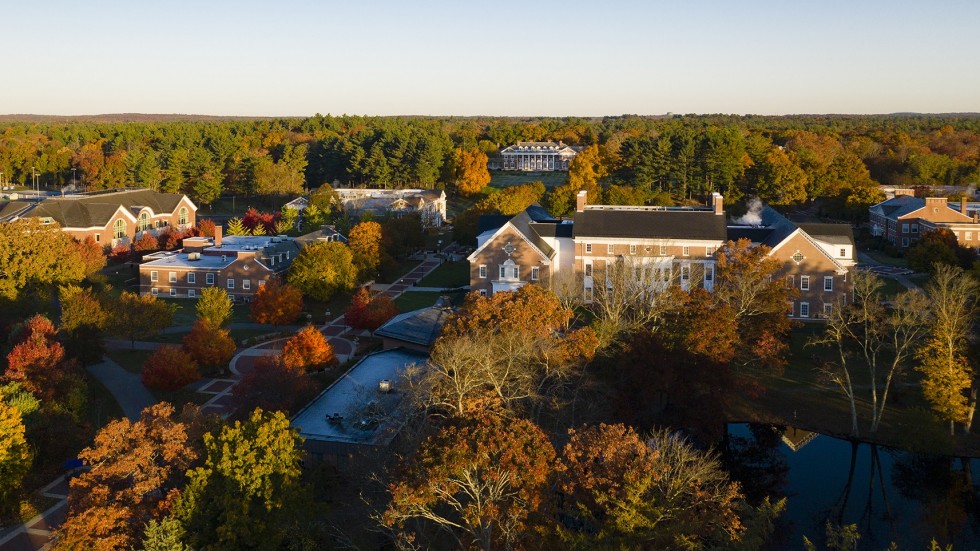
[
  {"x": 130, "y": 360},
  {"x": 133, "y": 360},
  {"x": 404, "y": 266},
  {"x": 887, "y": 260},
  {"x": 507, "y": 178},
  {"x": 448, "y": 276},
  {"x": 186, "y": 313},
  {"x": 336, "y": 305}
]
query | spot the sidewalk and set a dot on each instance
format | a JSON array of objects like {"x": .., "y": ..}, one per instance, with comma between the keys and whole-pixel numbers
[{"x": 125, "y": 387}]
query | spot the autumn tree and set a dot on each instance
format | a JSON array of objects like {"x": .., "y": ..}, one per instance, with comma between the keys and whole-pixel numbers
[
  {"x": 248, "y": 488},
  {"x": 308, "y": 350},
  {"x": 15, "y": 455},
  {"x": 205, "y": 227},
  {"x": 778, "y": 180},
  {"x": 169, "y": 368},
  {"x": 147, "y": 243},
  {"x": 365, "y": 245},
  {"x": 511, "y": 200},
  {"x": 236, "y": 227},
  {"x": 622, "y": 492},
  {"x": 585, "y": 171},
  {"x": 276, "y": 303},
  {"x": 482, "y": 481},
  {"x": 472, "y": 174},
  {"x": 83, "y": 320},
  {"x": 882, "y": 339},
  {"x": 214, "y": 306},
  {"x": 138, "y": 316},
  {"x": 37, "y": 360},
  {"x": 209, "y": 345},
  {"x": 272, "y": 386},
  {"x": 135, "y": 472},
  {"x": 91, "y": 255},
  {"x": 323, "y": 269},
  {"x": 370, "y": 313},
  {"x": 947, "y": 374},
  {"x": 36, "y": 256}
]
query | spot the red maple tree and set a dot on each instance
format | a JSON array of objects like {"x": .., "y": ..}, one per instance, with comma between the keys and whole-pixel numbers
[
  {"x": 308, "y": 350},
  {"x": 169, "y": 368}
]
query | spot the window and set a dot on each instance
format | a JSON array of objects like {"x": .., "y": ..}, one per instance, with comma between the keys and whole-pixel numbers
[
  {"x": 789, "y": 282},
  {"x": 686, "y": 251},
  {"x": 535, "y": 271},
  {"x": 632, "y": 249},
  {"x": 154, "y": 291},
  {"x": 905, "y": 241},
  {"x": 968, "y": 236},
  {"x": 797, "y": 257},
  {"x": 588, "y": 248},
  {"x": 173, "y": 292},
  {"x": 182, "y": 216},
  {"x": 804, "y": 283},
  {"x": 154, "y": 276},
  {"x": 246, "y": 284},
  {"x": 709, "y": 250},
  {"x": 231, "y": 283},
  {"x": 610, "y": 249},
  {"x": 843, "y": 253},
  {"x": 502, "y": 271},
  {"x": 804, "y": 309},
  {"x": 663, "y": 250},
  {"x": 588, "y": 294},
  {"x": 483, "y": 292},
  {"x": 790, "y": 309},
  {"x": 828, "y": 309},
  {"x": 119, "y": 229},
  {"x": 191, "y": 293},
  {"x": 98, "y": 238},
  {"x": 191, "y": 277},
  {"x": 709, "y": 273},
  {"x": 915, "y": 228},
  {"x": 685, "y": 273},
  {"x": 209, "y": 279},
  {"x": 588, "y": 270},
  {"x": 905, "y": 228},
  {"x": 144, "y": 223},
  {"x": 483, "y": 271},
  {"x": 173, "y": 277},
  {"x": 828, "y": 283}
]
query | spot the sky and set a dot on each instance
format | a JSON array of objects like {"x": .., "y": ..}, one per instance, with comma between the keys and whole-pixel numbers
[{"x": 503, "y": 58}]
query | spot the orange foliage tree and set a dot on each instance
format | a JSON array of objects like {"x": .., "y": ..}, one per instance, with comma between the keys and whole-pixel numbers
[
  {"x": 622, "y": 492},
  {"x": 276, "y": 303},
  {"x": 483, "y": 479},
  {"x": 37, "y": 360},
  {"x": 205, "y": 227},
  {"x": 365, "y": 312},
  {"x": 209, "y": 344},
  {"x": 92, "y": 255},
  {"x": 146, "y": 243},
  {"x": 364, "y": 241},
  {"x": 273, "y": 386},
  {"x": 135, "y": 472},
  {"x": 169, "y": 368},
  {"x": 308, "y": 350},
  {"x": 472, "y": 174}
]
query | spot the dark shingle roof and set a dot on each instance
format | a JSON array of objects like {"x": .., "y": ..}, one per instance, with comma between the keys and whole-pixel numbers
[
  {"x": 650, "y": 223},
  {"x": 831, "y": 233},
  {"x": 523, "y": 222},
  {"x": 83, "y": 211},
  {"x": 898, "y": 206},
  {"x": 489, "y": 222},
  {"x": 418, "y": 326}
]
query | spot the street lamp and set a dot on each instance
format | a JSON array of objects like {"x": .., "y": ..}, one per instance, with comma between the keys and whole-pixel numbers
[
  {"x": 34, "y": 182},
  {"x": 73, "y": 179}
]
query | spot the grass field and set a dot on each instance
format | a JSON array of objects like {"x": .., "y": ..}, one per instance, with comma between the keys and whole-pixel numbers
[
  {"x": 507, "y": 178},
  {"x": 423, "y": 299},
  {"x": 186, "y": 313},
  {"x": 448, "y": 276},
  {"x": 887, "y": 260}
]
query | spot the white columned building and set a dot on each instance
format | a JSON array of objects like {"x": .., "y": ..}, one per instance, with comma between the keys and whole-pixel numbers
[{"x": 537, "y": 156}]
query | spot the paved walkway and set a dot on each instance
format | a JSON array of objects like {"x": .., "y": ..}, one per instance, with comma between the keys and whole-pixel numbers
[
  {"x": 126, "y": 387},
  {"x": 37, "y": 532},
  {"x": 893, "y": 272}
]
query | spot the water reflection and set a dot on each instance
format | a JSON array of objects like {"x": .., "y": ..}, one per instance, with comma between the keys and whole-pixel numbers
[{"x": 905, "y": 497}]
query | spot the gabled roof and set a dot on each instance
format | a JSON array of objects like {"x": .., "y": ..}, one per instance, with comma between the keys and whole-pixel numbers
[
  {"x": 841, "y": 234},
  {"x": 650, "y": 223},
  {"x": 420, "y": 327},
  {"x": 489, "y": 222},
  {"x": 897, "y": 206},
  {"x": 94, "y": 210},
  {"x": 527, "y": 224}
]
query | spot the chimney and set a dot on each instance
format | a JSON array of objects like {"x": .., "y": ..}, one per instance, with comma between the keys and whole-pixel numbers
[
  {"x": 581, "y": 200},
  {"x": 963, "y": 205},
  {"x": 904, "y": 191},
  {"x": 718, "y": 202},
  {"x": 217, "y": 235}
]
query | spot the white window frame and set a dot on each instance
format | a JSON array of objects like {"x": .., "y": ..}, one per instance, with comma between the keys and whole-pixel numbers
[
  {"x": 191, "y": 277},
  {"x": 843, "y": 253},
  {"x": 154, "y": 291},
  {"x": 230, "y": 284},
  {"x": 588, "y": 248},
  {"x": 588, "y": 295},
  {"x": 209, "y": 278},
  {"x": 98, "y": 238},
  {"x": 191, "y": 293},
  {"x": 905, "y": 241},
  {"x": 501, "y": 272},
  {"x": 588, "y": 269},
  {"x": 709, "y": 273},
  {"x": 483, "y": 292},
  {"x": 685, "y": 272},
  {"x": 804, "y": 283},
  {"x": 172, "y": 277},
  {"x": 828, "y": 309},
  {"x": 792, "y": 309},
  {"x": 154, "y": 276},
  {"x": 173, "y": 292},
  {"x": 663, "y": 250},
  {"x": 535, "y": 273},
  {"x": 610, "y": 249},
  {"x": 804, "y": 309},
  {"x": 482, "y": 271},
  {"x": 632, "y": 249},
  {"x": 246, "y": 284},
  {"x": 828, "y": 283},
  {"x": 915, "y": 228},
  {"x": 968, "y": 236},
  {"x": 905, "y": 228},
  {"x": 709, "y": 250},
  {"x": 686, "y": 250}
]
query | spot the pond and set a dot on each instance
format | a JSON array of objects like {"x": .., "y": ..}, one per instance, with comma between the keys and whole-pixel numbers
[{"x": 891, "y": 495}]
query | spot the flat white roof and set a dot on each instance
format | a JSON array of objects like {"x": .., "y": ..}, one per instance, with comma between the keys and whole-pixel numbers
[{"x": 352, "y": 409}]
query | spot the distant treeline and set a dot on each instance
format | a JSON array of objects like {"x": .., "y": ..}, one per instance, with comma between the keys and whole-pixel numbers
[{"x": 785, "y": 160}]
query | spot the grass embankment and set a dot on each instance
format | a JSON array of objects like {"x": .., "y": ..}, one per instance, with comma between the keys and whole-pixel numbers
[
  {"x": 508, "y": 178},
  {"x": 801, "y": 396}
]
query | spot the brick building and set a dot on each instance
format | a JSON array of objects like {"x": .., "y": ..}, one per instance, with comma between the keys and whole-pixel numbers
[
  {"x": 110, "y": 217},
  {"x": 903, "y": 218}
]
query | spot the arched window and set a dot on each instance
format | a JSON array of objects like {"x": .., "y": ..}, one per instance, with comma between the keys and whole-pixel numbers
[
  {"x": 144, "y": 221},
  {"x": 182, "y": 216},
  {"x": 119, "y": 229}
]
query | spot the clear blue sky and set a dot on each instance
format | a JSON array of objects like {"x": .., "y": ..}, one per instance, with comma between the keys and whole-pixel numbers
[{"x": 288, "y": 57}]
